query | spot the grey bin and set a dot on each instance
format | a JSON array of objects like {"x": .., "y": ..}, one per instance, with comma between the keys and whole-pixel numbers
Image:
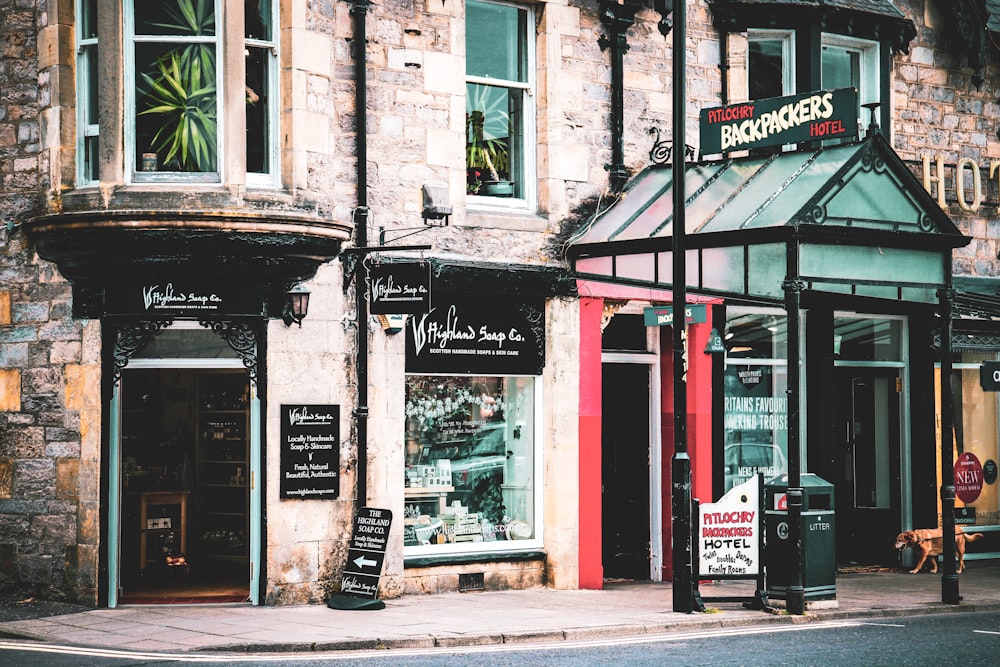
[{"x": 819, "y": 553}]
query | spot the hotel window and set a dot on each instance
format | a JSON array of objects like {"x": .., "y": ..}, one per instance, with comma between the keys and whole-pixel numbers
[
  {"x": 178, "y": 94},
  {"x": 86, "y": 116},
  {"x": 852, "y": 63},
  {"x": 499, "y": 111},
  {"x": 769, "y": 63},
  {"x": 470, "y": 463}
]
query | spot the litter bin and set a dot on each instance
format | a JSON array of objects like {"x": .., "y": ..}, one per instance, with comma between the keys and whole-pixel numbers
[{"x": 819, "y": 548}]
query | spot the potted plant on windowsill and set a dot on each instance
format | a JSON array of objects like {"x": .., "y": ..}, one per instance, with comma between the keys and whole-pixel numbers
[
  {"x": 487, "y": 152},
  {"x": 180, "y": 94}
]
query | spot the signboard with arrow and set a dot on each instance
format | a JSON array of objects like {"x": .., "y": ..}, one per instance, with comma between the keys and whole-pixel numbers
[{"x": 364, "y": 558}]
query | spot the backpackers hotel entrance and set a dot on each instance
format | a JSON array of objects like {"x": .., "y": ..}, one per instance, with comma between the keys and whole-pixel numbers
[{"x": 834, "y": 263}]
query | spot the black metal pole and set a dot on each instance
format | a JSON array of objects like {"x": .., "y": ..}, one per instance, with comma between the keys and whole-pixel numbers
[
  {"x": 680, "y": 468},
  {"x": 949, "y": 578},
  {"x": 359, "y": 10},
  {"x": 795, "y": 599}
]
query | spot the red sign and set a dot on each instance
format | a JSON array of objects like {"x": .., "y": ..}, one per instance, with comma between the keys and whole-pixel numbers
[{"x": 968, "y": 478}]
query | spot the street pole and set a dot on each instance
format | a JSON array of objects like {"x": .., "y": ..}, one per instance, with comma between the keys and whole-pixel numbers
[
  {"x": 680, "y": 468},
  {"x": 795, "y": 598},
  {"x": 949, "y": 578}
]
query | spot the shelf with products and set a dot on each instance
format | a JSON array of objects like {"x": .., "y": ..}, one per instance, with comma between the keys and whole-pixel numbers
[{"x": 223, "y": 466}]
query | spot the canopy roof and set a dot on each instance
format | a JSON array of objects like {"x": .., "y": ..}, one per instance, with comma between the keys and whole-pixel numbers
[{"x": 846, "y": 219}]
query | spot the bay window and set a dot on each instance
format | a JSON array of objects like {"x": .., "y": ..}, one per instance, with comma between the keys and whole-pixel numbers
[
  {"x": 470, "y": 463},
  {"x": 191, "y": 114},
  {"x": 499, "y": 113}
]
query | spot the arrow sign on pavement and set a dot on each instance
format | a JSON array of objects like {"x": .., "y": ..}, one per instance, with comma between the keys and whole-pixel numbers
[{"x": 364, "y": 559}]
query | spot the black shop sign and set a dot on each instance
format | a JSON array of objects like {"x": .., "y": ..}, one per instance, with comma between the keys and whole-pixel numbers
[
  {"x": 399, "y": 289},
  {"x": 310, "y": 452},
  {"x": 463, "y": 334},
  {"x": 180, "y": 297},
  {"x": 366, "y": 553}
]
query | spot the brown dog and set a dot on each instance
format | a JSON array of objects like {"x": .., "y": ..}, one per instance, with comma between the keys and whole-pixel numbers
[{"x": 927, "y": 542}]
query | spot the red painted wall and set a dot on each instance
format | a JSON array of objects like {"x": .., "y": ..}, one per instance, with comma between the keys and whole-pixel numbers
[{"x": 590, "y": 555}]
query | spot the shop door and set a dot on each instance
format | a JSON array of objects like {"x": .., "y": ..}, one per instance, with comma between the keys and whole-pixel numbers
[
  {"x": 866, "y": 467},
  {"x": 625, "y": 471}
]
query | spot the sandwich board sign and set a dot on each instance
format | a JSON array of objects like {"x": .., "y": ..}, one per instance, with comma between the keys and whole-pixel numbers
[{"x": 359, "y": 584}]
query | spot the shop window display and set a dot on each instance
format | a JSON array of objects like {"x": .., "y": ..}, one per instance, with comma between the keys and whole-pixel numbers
[{"x": 469, "y": 461}]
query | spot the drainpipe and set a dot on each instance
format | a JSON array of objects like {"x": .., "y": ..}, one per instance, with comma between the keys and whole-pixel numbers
[
  {"x": 359, "y": 10},
  {"x": 618, "y": 18}
]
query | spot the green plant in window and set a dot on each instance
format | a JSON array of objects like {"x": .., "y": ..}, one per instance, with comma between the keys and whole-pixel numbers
[
  {"x": 181, "y": 93},
  {"x": 487, "y": 136}
]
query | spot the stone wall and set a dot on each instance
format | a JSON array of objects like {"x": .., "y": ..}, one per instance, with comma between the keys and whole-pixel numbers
[{"x": 49, "y": 405}]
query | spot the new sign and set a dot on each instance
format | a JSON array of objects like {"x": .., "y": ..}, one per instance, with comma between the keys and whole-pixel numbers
[{"x": 825, "y": 114}]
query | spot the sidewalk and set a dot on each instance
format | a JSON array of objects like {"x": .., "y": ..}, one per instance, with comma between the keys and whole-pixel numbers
[{"x": 463, "y": 619}]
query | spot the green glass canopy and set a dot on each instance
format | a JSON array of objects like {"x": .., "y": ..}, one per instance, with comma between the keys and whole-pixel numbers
[{"x": 845, "y": 219}]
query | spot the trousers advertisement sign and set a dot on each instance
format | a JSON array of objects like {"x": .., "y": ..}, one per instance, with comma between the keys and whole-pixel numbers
[
  {"x": 466, "y": 335},
  {"x": 310, "y": 452},
  {"x": 825, "y": 114}
]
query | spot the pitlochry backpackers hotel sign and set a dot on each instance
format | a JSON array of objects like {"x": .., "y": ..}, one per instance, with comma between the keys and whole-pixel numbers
[{"x": 825, "y": 114}]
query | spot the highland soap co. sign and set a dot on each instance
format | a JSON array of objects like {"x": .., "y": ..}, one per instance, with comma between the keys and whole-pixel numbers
[
  {"x": 460, "y": 335},
  {"x": 825, "y": 114}
]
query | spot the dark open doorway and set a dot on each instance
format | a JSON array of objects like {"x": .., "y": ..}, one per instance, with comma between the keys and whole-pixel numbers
[{"x": 625, "y": 471}]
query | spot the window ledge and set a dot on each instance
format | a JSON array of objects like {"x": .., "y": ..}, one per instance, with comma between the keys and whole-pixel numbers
[
  {"x": 465, "y": 559},
  {"x": 500, "y": 218}
]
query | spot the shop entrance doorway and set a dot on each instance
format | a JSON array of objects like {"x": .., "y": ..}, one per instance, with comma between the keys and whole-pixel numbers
[
  {"x": 625, "y": 469},
  {"x": 185, "y": 503},
  {"x": 184, "y": 448},
  {"x": 866, "y": 466}
]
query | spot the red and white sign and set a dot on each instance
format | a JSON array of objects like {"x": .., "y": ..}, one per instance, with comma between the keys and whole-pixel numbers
[
  {"x": 729, "y": 533},
  {"x": 968, "y": 478}
]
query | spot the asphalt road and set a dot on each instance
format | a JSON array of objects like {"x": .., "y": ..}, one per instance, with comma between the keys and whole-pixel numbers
[{"x": 934, "y": 640}]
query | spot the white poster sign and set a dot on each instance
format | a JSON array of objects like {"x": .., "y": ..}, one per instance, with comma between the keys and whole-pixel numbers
[{"x": 729, "y": 533}]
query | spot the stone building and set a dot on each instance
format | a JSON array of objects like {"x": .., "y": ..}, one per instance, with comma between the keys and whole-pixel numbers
[{"x": 172, "y": 174}]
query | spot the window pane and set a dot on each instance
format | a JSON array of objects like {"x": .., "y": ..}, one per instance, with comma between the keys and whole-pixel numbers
[
  {"x": 494, "y": 119},
  {"x": 756, "y": 422},
  {"x": 469, "y": 460},
  {"x": 841, "y": 68},
  {"x": 176, "y": 114},
  {"x": 88, "y": 19},
  {"x": 258, "y": 20},
  {"x": 766, "y": 68},
  {"x": 494, "y": 41},
  {"x": 258, "y": 110},
  {"x": 175, "y": 17}
]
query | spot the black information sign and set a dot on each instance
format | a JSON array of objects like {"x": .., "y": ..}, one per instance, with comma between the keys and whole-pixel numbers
[
  {"x": 989, "y": 376},
  {"x": 990, "y": 471},
  {"x": 462, "y": 335},
  {"x": 824, "y": 114},
  {"x": 367, "y": 552},
  {"x": 183, "y": 297},
  {"x": 399, "y": 289},
  {"x": 310, "y": 452},
  {"x": 965, "y": 515}
]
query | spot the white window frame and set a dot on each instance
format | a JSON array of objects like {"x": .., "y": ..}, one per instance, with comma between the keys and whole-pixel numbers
[
  {"x": 269, "y": 178},
  {"x": 528, "y": 187},
  {"x": 869, "y": 85},
  {"x": 787, "y": 39},
  {"x": 132, "y": 175},
  {"x": 504, "y": 546},
  {"x": 86, "y": 127}
]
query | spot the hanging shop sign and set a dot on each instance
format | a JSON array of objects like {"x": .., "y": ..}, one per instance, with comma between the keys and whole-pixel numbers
[
  {"x": 968, "y": 477},
  {"x": 179, "y": 298},
  {"x": 310, "y": 452},
  {"x": 825, "y": 114},
  {"x": 366, "y": 553},
  {"x": 465, "y": 335},
  {"x": 663, "y": 316},
  {"x": 399, "y": 289},
  {"x": 989, "y": 376}
]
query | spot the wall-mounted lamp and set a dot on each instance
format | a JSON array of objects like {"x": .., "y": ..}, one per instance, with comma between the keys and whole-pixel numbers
[
  {"x": 436, "y": 204},
  {"x": 392, "y": 324},
  {"x": 296, "y": 306}
]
